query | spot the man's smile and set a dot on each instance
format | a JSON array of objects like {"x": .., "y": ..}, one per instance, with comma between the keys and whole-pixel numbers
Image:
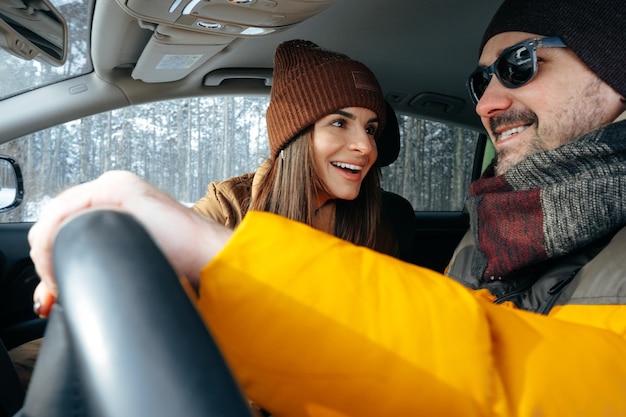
[{"x": 507, "y": 133}]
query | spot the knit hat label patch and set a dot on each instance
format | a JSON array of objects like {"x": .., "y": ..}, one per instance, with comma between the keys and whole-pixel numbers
[{"x": 363, "y": 81}]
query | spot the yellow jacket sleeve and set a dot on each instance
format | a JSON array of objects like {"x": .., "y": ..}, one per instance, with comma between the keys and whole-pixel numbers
[{"x": 314, "y": 326}]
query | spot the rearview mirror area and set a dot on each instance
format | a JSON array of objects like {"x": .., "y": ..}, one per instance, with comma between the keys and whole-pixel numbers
[
  {"x": 33, "y": 29},
  {"x": 11, "y": 184}
]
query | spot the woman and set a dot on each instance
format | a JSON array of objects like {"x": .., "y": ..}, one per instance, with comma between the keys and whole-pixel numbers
[{"x": 325, "y": 113}]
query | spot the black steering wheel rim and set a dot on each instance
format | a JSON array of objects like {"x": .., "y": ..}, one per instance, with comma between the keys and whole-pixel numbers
[{"x": 124, "y": 338}]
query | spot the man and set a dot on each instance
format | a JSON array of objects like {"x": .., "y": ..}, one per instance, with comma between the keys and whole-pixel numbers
[
  {"x": 539, "y": 217},
  {"x": 361, "y": 334}
]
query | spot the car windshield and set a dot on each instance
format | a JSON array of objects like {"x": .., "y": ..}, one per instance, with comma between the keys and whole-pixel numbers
[{"x": 18, "y": 75}]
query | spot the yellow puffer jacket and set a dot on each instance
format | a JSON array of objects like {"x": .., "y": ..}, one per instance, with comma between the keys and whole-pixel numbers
[{"x": 315, "y": 326}]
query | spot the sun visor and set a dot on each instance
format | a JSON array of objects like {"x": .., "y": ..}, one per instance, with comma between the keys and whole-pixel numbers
[{"x": 171, "y": 54}]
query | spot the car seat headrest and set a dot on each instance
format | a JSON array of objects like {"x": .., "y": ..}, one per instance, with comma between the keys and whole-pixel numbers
[{"x": 389, "y": 140}]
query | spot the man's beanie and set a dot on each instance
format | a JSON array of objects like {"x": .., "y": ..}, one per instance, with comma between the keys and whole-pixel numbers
[
  {"x": 594, "y": 29},
  {"x": 309, "y": 83}
]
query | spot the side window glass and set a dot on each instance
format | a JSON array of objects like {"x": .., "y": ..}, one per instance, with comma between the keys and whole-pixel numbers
[
  {"x": 179, "y": 146},
  {"x": 182, "y": 145},
  {"x": 434, "y": 168}
]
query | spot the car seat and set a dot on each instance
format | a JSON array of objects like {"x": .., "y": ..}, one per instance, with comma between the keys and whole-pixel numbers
[
  {"x": 396, "y": 208},
  {"x": 12, "y": 392}
]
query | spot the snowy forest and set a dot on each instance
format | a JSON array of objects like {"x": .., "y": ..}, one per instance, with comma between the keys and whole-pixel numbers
[{"x": 182, "y": 145}]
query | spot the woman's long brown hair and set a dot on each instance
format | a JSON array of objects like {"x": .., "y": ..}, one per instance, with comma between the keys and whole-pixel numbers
[{"x": 289, "y": 187}]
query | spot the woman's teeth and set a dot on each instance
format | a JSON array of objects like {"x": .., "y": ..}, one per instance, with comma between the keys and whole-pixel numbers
[{"x": 347, "y": 166}]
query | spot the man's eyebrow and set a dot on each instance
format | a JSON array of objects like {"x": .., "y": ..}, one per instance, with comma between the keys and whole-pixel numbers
[
  {"x": 500, "y": 51},
  {"x": 352, "y": 116}
]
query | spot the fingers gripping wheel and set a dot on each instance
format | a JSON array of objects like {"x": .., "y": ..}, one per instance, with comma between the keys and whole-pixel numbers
[{"x": 124, "y": 339}]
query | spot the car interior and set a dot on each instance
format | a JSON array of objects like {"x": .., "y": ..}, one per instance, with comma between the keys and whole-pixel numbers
[{"x": 137, "y": 52}]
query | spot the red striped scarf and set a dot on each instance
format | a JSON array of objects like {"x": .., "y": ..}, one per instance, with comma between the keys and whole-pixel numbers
[{"x": 550, "y": 204}]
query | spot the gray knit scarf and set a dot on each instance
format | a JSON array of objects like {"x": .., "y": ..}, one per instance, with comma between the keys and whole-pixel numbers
[{"x": 550, "y": 204}]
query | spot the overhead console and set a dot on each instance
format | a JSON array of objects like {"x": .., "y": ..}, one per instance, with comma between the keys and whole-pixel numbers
[
  {"x": 187, "y": 33},
  {"x": 226, "y": 17}
]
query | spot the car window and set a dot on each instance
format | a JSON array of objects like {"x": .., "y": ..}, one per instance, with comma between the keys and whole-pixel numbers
[
  {"x": 182, "y": 145},
  {"x": 435, "y": 164},
  {"x": 19, "y": 75}
]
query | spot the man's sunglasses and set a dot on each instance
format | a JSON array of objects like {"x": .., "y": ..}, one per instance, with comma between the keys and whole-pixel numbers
[{"x": 515, "y": 66}]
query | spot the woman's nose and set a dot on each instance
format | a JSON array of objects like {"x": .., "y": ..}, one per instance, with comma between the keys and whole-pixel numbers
[{"x": 363, "y": 142}]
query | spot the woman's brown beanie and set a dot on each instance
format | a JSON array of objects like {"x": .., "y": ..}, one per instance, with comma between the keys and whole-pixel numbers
[
  {"x": 309, "y": 83},
  {"x": 594, "y": 29}
]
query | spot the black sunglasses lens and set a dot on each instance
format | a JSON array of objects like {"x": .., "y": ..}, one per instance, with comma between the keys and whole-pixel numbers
[
  {"x": 515, "y": 67},
  {"x": 479, "y": 81}
]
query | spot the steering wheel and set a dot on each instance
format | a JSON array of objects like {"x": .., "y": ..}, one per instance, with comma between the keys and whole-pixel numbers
[{"x": 124, "y": 338}]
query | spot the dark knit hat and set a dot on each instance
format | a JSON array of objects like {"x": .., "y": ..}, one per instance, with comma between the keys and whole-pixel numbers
[
  {"x": 594, "y": 29},
  {"x": 309, "y": 83}
]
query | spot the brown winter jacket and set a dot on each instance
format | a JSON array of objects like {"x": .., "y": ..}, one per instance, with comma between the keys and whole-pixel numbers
[{"x": 227, "y": 202}]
